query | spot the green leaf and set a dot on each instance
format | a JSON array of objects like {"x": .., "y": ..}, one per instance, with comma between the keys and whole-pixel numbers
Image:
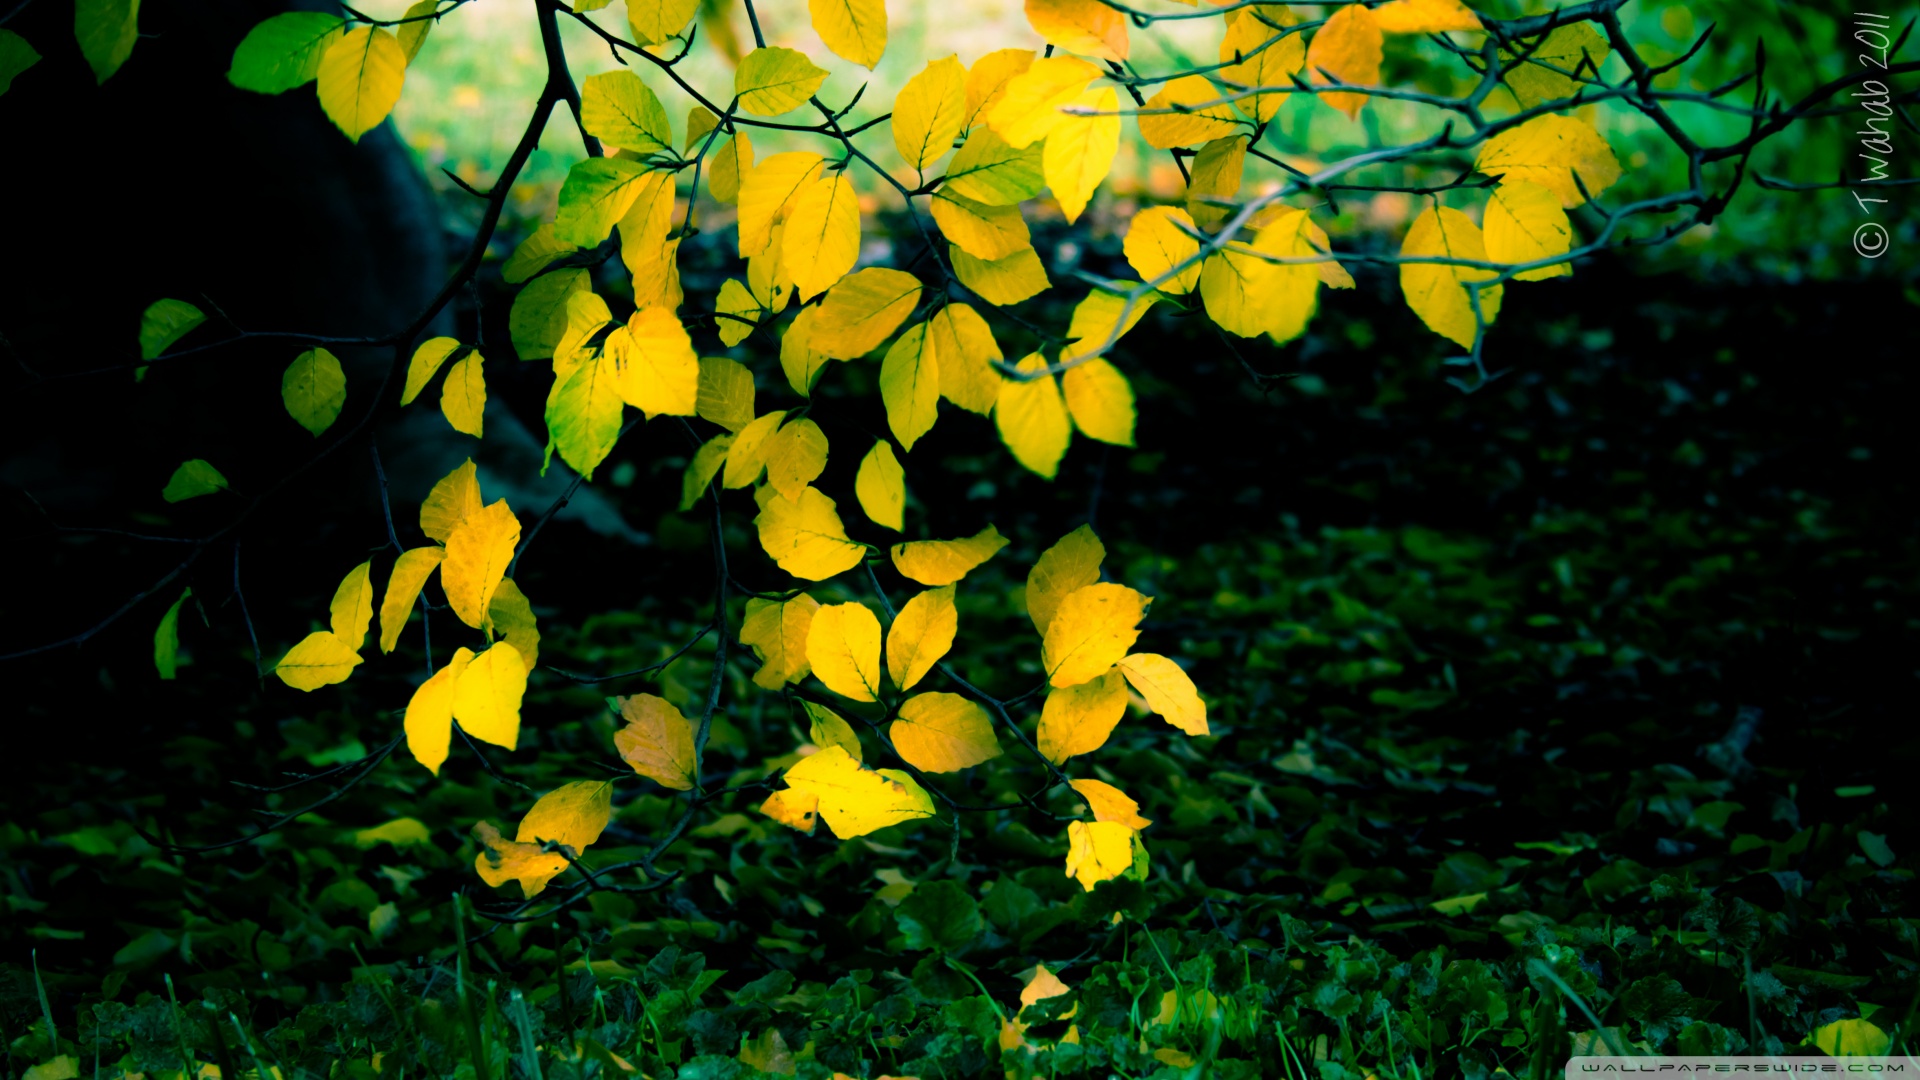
[
  {"x": 987, "y": 170},
  {"x": 619, "y": 109},
  {"x": 166, "y": 639},
  {"x": 583, "y": 415},
  {"x": 773, "y": 80},
  {"x": 399, "y": 832},
  {"x": 314, "y": 389},
  {"x": 595, "y": 196},
  {"x": 284, "y": 51},
  {"x": 16, "y": 56},
  {"x": 938, "y": 915},
  {"x": 539, "y": 313},
  {"x": 191, "y": 480},
  {"x": 106, "y": 30},
  {"x": 165, "y": 322}
]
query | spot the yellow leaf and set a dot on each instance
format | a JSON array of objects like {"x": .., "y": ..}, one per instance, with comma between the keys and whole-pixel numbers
[
  {"x": 1168, "y": 691},
  {"x": 572, "y": 814},
  {"x": 700, "y": 121},
  {"x": 1029, "y": 106},
  {"x": 60, "y": 1067},
  {"x": 725, "y": 393},
  {"x": 1575, "y": 48},
  {"x": 987, "y": 170},
  {"x": 1549, "y": 150},
  {"x": 702, "y": 469},
  {"x": 1291, "y": 291},
  {"x": 910, "y": 385},
  {"x": 486, "y": 697},
  {"x": 587, "y": 315},
  {"x": 920, "y": 635},
  {"x": 748, "y": 454},
  {"x": 360, "y": 78},
  {"x": 1098, "y": 851},
  {"x": 987, "y": 80},
  {"x": 796, "y": 456},
  {"x": 800, "y": 362},
  {"x": 1209, "y": 118},
  {"x": 314, "y": 389},
  {"x": 929, "y": 111},
  {"x": 1080, "y": 719},
  {"x": 985, "y": 232},
  {"x": 804, "y": 536},
  {"x": 657, "y": 370},
  {"x": 1332, "y": 274},
  {"x": 478, "y": 551},
  {"x": 1017, "y": 277},
  {"x": 862, "y": 311},
  {"x": 1425, "y": 17},
  {"x": 320, "y": 659},
  {"x": 943, "y": 562},
  {"x": 463, "y": 396},
  {"x": 822, "y": 239},
  {"x": 501, "y": 860},
  {"x": 618, "y": 109},
  {"x": 1109, "y": 803},
  {"x": 854, "y": 799},
  {"x": 649, "y": 256},
  {"x": 940, "y": 733},
  {"x": 768, "y": 280},
  {"x": 793, "y": 808},
  {"x": 768, "y": 193},
  {"x": 1436, "y": 291},
  {"x": 732, "y": 160},
  {"x": 1042, "y": 985},
  {"x": 826, "y": 728},
  {"x": 426, "y": 361},
  {"x": 843, "y": 646},
  {"x": 1069, "y": 565},
  {"x": 1525, "y": 223},
  {"x": 774, "y": 80},
  {"x": 1267, "y": 59},
  {"x": 1080, "y": 150},
  {"x": 429, "y": 722},
  {"x": 1087, "y": 27},
  {"x": 964, "y": 343},
  {"x": 1032, "y": 419},
  {"x": 854, "y": 29},
  {"x": 776, "y": 631},
  {"x": 736, "y": 312},
  {"x": 656, "y": 21},
  {"x": 1093, "y": 628},
  {"x": 1155, "y": 245},
  {"x": 1100, "y": 401},
  {"x": 351, "y": 611},
  {"x": 768, "y": 1053},
  {"x": 1216, "y": 173},
  {"x": 511, "y": 617},
  {"x": 454, "y": 497},
  {"x": 657, "y": 741},
  {"x": 410, "y": 573},
  {"x": 1347, "y": 48},
  {"x": 881, "y": 487},
  {"x": 1852, "y": 1038},
  {"x": 1096, "y": 324}
]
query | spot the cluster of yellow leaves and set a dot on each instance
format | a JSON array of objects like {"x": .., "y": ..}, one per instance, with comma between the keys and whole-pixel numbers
[
  {"x": 463, "y": 394},
  {"x": 561, "y": 825},
  {"x": 474, "y": 543}
]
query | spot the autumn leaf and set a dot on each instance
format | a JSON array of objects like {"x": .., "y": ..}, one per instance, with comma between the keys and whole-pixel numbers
[
  {"x": 921, "y": 634},
  {"x": 939, "y": 733},
  {"x": 655, "y": 368},
  {"x": 1267, "y": 57},
  {"x": 982, "y": 231},
  {"x": 776, "y": 631},
  {"x": 1069, "y": 565},
  {"x": 943, "y": 562},
  {"x": 1029, "y": 105},
  {"x": 487, "y": 695},
  {"x": 1156, "y": 243},
  {"x": 1167, "y": 690},
  {"x": 573, "y": 815},
  {"x": 1425, "y": 17},
  {"x": 881, "y": 487},
  {"x": 822, "y": 238},
  {"x": 1550, "y": 150},
  {"x": 1202, "y": 116},
  {"x": 1093, "y": 628},
  {"x": 843, "y": 647},
  {"x": 1098, "y": 851},
  {"x": 796, "y": 456},
  {"x": 351, "y": 610},
  {"x": 1346, "y": 49},
  {"x": 854, "y": 29},
  {"x": 360, "y": 77},
  {"x": 724, "y": 394},
  {"x": 1437, "y": 291},
  {"x": 501, "y": 860},
  {"x": 1109, "y": 803},
  {"x": 617, "y": 108},
  {"x": 1079, "y": 719},
  {"x": 804, "y": 536},
  {"x": 863, "y": 310},
  {"x": 409, "y": 576},
  {"x": 478, "y": 551},
  {"x": 463, "y": 395},
  {"x": 657, "y": 741},
  {"x": 320, "y": 659},
  {"x": 1019, "y": 276},
  {"x": 510, "y": 616},
  {"x": 775, "y": 80},
  {"x": 930, "y": 111},
  {"x": 1080, "y": 150},
  {"x": 1524, "y": 223},
  {"x": 966, "y": 350},
  {"x": 793, "y": 808},
  {"x": 1087, "y": 27},
  {"x": 910, "y": 385},
  {"x": 855, "y": 800},
  {"x": 429, "y": 719}
]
